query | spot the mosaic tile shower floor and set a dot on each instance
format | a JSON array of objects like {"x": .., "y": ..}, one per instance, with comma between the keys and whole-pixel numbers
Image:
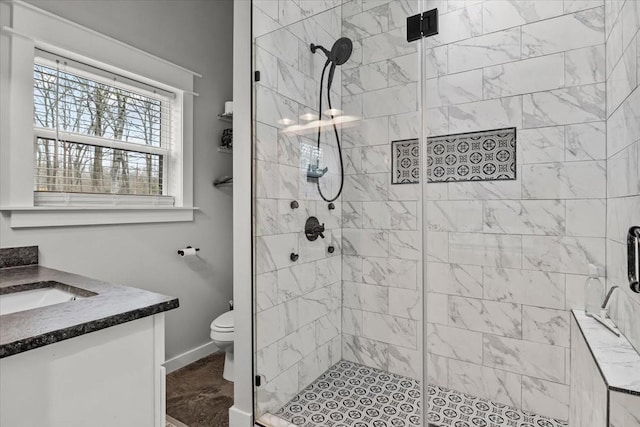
[{"x": 353, "y": 395}]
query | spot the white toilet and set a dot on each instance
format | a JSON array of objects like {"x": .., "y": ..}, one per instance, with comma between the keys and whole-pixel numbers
[{"x": 222, "y": 336}]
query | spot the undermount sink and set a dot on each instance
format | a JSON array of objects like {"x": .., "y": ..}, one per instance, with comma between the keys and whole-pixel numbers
[{"x": 39, "y": 294}]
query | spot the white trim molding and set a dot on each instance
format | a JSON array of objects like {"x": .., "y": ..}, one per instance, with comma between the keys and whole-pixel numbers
[
  {"x": 33, "y": 217},
  {"x": 93, "y": 33},
  {"x": 186, "y": 358},
  {"x": 241, "y": 414},
  {"x": 25, "y": 28}
]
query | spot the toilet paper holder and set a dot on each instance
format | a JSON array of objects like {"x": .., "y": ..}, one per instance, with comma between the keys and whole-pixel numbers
[{"x": 181, "y": 251}]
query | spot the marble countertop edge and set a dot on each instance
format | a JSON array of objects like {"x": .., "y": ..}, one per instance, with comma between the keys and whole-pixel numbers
[{"x": 617, "y": 360}]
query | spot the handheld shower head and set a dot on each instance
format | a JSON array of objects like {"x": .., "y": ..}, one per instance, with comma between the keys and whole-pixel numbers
[
  {"x": 339, "y": 54},
  {"x": 340, "y": 51}
]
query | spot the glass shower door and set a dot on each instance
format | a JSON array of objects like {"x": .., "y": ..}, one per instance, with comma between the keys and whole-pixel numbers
[
  {"x": 508, "y": 114},
  {"x": 337, "y": 213}
]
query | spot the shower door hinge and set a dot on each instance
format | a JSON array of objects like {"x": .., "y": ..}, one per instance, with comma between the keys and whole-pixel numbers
[
  {"x": 422, "y": 25},
  {"x": 256, "y": 76},
  {"x": 258, "y": 381}
]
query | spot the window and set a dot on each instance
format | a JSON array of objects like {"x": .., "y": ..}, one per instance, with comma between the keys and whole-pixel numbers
[
  {"x": 92, "y": 130},
  {"x": 97, "y": 133}
]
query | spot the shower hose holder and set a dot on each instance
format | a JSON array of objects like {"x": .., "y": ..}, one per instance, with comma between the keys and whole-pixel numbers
[{"x": 314, "y": 172}]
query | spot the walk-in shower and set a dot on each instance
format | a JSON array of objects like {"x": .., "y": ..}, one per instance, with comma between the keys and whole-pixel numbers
[
  {"x": 339, "y": 54},
  {"x": 473, "y": 194}
]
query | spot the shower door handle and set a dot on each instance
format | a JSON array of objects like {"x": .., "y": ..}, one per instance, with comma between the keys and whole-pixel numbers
[{"x": 633, "y": 258}]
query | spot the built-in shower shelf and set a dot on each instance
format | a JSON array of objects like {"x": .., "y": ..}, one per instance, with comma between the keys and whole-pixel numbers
[
  {"x": 226, "y": 117},
  {"x": 225, "y": 150}
]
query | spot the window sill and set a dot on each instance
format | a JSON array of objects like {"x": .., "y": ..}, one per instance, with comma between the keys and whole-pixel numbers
[{"x": 67, "y": 216}]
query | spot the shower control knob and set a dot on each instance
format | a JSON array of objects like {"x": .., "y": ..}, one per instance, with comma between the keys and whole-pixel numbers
[
  {"x": 294, "y": 257},
  {"x": 331, "y": 249},
  {"x": 294, "y": 205},
  {"x": 331, "y": 206},
  {"x": 313, "y": 229}
]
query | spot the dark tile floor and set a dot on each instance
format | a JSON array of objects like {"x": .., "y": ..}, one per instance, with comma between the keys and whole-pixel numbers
[{"x": 198, "y": 396}]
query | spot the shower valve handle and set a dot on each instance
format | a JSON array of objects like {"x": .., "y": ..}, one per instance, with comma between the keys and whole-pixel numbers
[{"x": 313, "y": 229}]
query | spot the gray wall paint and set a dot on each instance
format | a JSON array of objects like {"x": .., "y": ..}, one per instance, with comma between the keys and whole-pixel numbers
[{"x": 196, "y": 35}]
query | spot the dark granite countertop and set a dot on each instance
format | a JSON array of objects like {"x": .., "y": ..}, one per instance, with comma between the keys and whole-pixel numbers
[{"x": 113, "y": 305}]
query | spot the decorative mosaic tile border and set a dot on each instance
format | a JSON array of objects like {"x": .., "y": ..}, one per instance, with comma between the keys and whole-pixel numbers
[
  {"x": 405, "y": 167},
  {"x": 476, "y": 156}
]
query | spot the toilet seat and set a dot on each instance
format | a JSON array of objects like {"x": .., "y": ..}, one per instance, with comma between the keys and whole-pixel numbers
[
  {"x": 223, "y": 323},
  {"x": 223, "y": 336}
]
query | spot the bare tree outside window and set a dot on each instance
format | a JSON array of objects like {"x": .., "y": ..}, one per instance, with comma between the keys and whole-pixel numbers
[{"x": 73, "y": 105}]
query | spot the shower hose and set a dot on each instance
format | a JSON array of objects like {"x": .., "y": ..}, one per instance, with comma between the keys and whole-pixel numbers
[{"x": 335, "y": 130}]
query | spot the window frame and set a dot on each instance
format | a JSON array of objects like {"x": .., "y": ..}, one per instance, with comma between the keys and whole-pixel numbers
[
  {"x": 27, "y": 31},
  {"x": 166, "y": 151}
]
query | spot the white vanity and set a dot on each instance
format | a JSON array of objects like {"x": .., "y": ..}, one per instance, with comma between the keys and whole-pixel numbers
[{"x": 95, "y": 361}]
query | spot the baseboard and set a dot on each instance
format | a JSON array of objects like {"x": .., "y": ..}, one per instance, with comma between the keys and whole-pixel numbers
[
  {"x": 190, "y": 356},
  {"x": 172, "y": 422},
  {"x": 271, "y": 420},
  {"x": 240, "y": 418}
]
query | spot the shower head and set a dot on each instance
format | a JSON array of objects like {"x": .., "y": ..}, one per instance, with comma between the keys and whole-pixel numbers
[
  {"x": 339, "y": 54},
  {"x": 340, "y": 51}
]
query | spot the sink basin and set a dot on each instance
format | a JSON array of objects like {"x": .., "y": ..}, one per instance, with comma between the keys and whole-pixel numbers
[{"x": 39, "y": 294}]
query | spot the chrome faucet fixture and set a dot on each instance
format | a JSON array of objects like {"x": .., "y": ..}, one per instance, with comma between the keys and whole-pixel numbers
[
  {"x": 606, "y": 299},
  {"x": 603, "y": 316}
]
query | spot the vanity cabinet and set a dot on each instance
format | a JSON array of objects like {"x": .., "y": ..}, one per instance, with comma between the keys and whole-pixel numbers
[{"x": 111, "y": 377}]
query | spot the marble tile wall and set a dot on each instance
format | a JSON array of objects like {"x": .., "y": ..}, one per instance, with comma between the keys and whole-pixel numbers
[
  {"x": 507, "y": 260},
  {"x": 589, "y": 392},
  {"x": 298, "y": 304},
  {"x": 624, "y": 410},
  {"x": 382, "y": 242},
  {"x": 623, "y": 155}
]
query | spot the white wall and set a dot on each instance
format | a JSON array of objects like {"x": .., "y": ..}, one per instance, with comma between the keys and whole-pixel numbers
[{"x": 197, "y": 35}]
